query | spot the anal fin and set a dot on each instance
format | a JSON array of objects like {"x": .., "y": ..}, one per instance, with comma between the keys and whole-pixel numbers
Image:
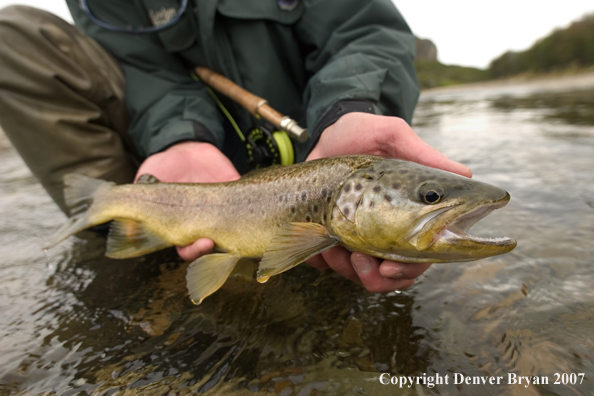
[
  {"x": 129, "y": 238},
  {"x": 291, "y": 245},
  {"x": 207, "y": 274}
]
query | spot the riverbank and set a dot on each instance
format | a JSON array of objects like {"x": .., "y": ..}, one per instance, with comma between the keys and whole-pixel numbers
[{"x": 570, "y": 79}]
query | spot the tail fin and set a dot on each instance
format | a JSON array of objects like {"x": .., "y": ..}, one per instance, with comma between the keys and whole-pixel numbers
[{"x": 79, "y": 193}]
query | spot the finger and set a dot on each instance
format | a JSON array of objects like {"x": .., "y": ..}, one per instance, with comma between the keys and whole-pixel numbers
[
  {"x": 396, "y": 270},
  {"x": 367, "y": 268},
  {"x": 339, "y": 259},
  {"x": 430, "y": 156},
  {"x": 199, "y": 248},
  {"x": 318, "y": 262},
  {"x": 412, "y": 148}
]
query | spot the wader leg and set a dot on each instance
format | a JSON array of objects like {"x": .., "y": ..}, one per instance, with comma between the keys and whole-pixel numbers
[{"x": 62, "y": 101}]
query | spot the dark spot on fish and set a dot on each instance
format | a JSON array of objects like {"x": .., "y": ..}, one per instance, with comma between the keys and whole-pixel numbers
[
  {"x": 387, "y": 198},
  {"x": 395, "y": 186},
  {"x": 292, "y": 209},
  {"x": 371, "y": 204},
  {"x": 280, "y": 198},
  {"x": 329, "y": 199},
  {"x": 346, "y": 211},
  {"x": 303, "y": 196},
  {"x": 324, "y": 193},
  {"x": 377, "y": 189},
  {"x": 315, "y": 208},
  {"x": 403, "y": 171},
  {"x": 358, "y": 186},
  {"x": 308, "y": 219},
  {"x": 347, "y": 188},
  {"x": 389, "y": 172},
  {"x": 315, "y": 179}
]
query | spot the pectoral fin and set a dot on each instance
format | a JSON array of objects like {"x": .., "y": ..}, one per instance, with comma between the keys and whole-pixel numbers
[
  {"x": 129, "y": 238},
  {"x": 291, "y": 245},
  {"x": 207, "y": 274}
]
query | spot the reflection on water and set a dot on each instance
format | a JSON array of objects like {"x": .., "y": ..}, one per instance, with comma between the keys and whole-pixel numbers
[
  {"x": 575, "y": 107},
  {"x": 75, "y": 322}
]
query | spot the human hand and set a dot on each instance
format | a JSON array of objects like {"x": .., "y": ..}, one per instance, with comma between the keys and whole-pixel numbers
[
  {"x": 190, "y": 162},
  {"x": 362, "y": 133}
]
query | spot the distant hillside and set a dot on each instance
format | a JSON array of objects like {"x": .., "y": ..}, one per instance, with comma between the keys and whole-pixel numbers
[
  {"x": 572, "y": 47},
  {"x": 433, "y": 74},
  {"x": 425, "y": 49}
]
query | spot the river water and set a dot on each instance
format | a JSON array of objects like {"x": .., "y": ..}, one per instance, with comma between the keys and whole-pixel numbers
[{"x": 73, "y": 322}]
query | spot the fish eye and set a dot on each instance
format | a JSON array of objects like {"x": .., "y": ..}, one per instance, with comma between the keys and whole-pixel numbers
[
  {"x": 431, "y": 193},
  {"x": 431, "y": 197}
]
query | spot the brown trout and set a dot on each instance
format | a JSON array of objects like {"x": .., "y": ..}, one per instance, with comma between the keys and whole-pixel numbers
[{"x": 388, "y": 208}]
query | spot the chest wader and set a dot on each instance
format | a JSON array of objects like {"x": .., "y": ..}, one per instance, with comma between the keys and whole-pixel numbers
[{"x": 62, "y": 101}]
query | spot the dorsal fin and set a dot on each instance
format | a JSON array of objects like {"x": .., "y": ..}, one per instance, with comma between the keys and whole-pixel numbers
[{"x": 147, "y": 178}]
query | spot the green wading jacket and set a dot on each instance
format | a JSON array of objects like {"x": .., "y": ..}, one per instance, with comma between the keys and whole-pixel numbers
[{"x": 313, "y": 60}]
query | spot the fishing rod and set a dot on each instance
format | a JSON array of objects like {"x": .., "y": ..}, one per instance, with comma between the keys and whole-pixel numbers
[{"x": 256, "y": 105}]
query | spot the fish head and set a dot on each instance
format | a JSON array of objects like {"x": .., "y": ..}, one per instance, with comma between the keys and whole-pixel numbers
[{"x": 407, "y": 212}]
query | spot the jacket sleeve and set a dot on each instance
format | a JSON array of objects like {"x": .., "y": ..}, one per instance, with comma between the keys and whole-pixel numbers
[
  {"x": 165, "y": 104},
  {"x": 360, "y": 55}
]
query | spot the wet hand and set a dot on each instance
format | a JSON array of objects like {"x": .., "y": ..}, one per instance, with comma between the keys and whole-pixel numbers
[
  {"x": 361, "y": 133},
  {"x": 190, "y": 162},
  {"x": 375, "y": 275}
]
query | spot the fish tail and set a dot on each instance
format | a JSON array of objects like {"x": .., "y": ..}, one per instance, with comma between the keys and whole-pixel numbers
[{"x": 80, "y": 194}]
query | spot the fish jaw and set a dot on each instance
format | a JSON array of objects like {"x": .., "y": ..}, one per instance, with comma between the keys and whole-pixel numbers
[{"x": 447, "y": 234}]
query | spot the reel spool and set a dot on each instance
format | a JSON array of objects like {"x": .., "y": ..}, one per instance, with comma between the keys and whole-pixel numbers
[{"x": 265, "y": 148}]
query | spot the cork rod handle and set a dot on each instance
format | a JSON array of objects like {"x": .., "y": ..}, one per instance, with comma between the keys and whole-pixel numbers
[{"x": 256, "y": 105}]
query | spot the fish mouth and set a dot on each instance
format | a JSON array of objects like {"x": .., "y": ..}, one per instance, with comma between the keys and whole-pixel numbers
[
  {"x": 457, "y": 228},
  {"x": 450, "y": 225}
]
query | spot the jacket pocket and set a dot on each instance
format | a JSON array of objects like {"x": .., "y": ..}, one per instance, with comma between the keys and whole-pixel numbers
[{"x": 285, "y": 12}]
